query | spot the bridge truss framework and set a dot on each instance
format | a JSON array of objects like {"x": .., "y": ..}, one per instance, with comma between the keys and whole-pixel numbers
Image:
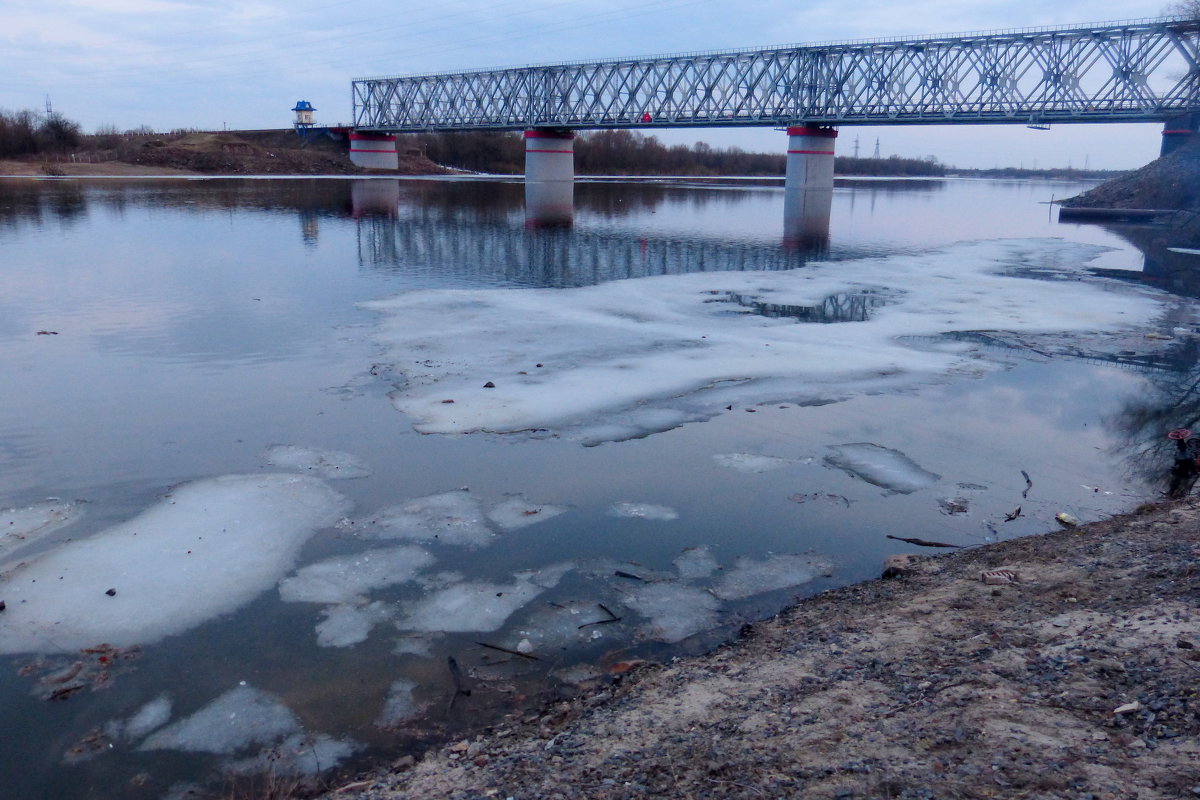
[{"x": 1147, "y": 70}]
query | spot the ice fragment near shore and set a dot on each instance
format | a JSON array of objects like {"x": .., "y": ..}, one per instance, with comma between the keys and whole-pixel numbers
[
  {"x": 345, "y": 578},
  {"x": 643, "y": 511},
  {"x": 675, "y": 611},
  {"x": 518, "y": 512},
  {"x": 749, "y": 577},
  {"x": 345, "y": 625},
  {"x": 477, "y": 606},
  {"x": 206, "y": 549},
  {"x": 881, "y": 466},
  {"x": 695, "y": 563},
  {"x": 329, "y": 464},
  {"x": 25, "y": 525},
  {"x": 747, "y": 462},
  {"x": 399, "y": 705},
  {"x": 241, "y": 717},
  {"x": 450, "y": 518},
  {"x": 299, "y": 754}
]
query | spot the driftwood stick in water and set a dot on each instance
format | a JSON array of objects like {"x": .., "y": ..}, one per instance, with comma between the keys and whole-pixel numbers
[
  {"x": 506, "y": 650},
  {"x": 922, "y": 542},
  {"x": 1028, "y": 484}
]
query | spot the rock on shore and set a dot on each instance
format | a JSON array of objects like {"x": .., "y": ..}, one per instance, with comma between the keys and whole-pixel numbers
[{"x": 1081, "y": 679}]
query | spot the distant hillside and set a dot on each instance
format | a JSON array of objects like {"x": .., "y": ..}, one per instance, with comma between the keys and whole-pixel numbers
[{"x": 1172, "y": 181}]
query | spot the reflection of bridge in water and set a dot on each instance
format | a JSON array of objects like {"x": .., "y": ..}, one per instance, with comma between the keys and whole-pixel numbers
[{"x": 547, "y": 251}]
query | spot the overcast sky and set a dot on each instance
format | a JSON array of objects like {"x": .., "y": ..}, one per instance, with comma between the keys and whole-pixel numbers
[{"x": 209, "y": 64}]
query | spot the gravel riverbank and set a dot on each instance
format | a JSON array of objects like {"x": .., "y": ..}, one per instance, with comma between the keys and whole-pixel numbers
[{"x": 1081, "y": 679}]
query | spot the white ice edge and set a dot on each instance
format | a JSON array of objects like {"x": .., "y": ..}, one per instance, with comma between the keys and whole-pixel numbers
[
  {"x": 205, "y": 549},
  {"x": 630, "y": 357}
]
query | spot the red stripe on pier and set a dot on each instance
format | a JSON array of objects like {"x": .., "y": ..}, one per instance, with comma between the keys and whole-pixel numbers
[
  {"x": 811, "y": 152},
  {"x": 564, "y": 152}
]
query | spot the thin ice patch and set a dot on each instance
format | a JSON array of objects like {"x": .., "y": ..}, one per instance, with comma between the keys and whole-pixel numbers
[
  {"x": 695, "y": 563},
  {"x": 242, "y": 717},
  {"x": 25, "y": 525},
  {"x": 450, "y": 518},
  {"x": 632, "y": 357},
  {"x": 400, "y": 705},
  {"x": 749, "y": 577},
  {"x": 747, "y": 462},
  {"x": 675, "y": 611},
  {"x": 518, "y": 512},
  {"x": 468, "y": 607},
  {"x": 149, "y": 717},
  {"x": 643, "y": 511},
  {"x": 329, "y": 464},
  {"x": 299, "y": 754},
  {"x": 343, "y": 579},
  {"x": 346, "y": 625},
  {"x": 205, "y": 549},
  {"x": 881, "y": 466}
]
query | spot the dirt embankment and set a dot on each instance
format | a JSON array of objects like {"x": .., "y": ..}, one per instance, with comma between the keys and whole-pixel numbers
[
  {"x": 1079, "y": 679},
  {"x": 222, "y": 153},
  {"x": 1170, "y": 182}
]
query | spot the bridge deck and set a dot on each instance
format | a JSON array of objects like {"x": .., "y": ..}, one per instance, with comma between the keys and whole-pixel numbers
[{"x": 1147, "y": 70}]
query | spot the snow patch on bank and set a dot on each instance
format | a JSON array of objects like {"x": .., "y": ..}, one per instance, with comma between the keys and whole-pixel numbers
[
  {"x": 632, "y": 357},
  {"x": 205, "y": 549}
]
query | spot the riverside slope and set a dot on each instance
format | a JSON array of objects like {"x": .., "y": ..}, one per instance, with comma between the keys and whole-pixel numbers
[{"x": 933, "y": 685}]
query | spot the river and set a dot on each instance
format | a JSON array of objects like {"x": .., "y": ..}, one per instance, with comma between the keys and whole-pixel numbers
[{"x": 296, "y": 474}]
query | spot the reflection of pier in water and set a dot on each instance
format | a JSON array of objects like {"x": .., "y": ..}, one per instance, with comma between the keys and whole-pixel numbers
[
  {"x": 541, "y": 248},
  {"x": 554, "y": 257}
]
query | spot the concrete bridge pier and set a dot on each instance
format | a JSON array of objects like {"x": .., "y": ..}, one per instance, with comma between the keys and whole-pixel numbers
[
  {"x": 549, "y": 177},
  {"x": 806, "y": 214},
  {"x": 1178, "y": 131},
  {"x": 809, "y": 158},
  {"x": 374, "y": 150}
]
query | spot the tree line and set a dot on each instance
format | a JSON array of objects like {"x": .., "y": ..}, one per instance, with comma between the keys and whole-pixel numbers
[
  {"x": 29, "y": 133},
  {"x": 625, "y": 152}
]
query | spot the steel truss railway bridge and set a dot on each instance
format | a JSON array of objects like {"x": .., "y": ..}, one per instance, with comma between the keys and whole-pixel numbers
[{"x": 1132, "y": 71}]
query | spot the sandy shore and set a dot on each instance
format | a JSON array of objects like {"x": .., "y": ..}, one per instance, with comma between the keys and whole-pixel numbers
[{"x": 1081, "y": 679}]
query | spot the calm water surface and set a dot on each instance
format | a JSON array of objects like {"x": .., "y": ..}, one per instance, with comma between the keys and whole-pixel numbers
[{"x": 197, "y": 323}]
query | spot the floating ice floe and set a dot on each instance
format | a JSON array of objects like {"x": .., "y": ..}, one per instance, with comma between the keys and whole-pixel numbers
[
  {"x": 242, "y": 717},
  {"x": 675, "y": 610},
  {"x": 151, "y": 716},
  {"x": 449, "y": 518},
  {"x": 517, "y": 512},
  {"x": 344, "y": 579},
  {"x": 629, "y": 358},
  {"x": 245, "y": 718},
  {"x": 695, "y": 563},
  {"x": 205, "y": 549},
  {"x": 479, "y": 606},
  {"x": 749, "y": 577},
  {"x": 329, "y": 464},
  {"x": 881, "y": 466},
  {"x": 643, "y": 511},
  {"x": 25, "y": 525},
  {"x": 562, "y": 625},
  {"x": 346, "y": 625},
  {"x": 399, "y": 705},
  {"x": 746, "y": 462}
]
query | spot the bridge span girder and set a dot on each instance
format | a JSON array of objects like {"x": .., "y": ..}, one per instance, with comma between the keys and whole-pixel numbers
[{"x": 1140, "y": 71}]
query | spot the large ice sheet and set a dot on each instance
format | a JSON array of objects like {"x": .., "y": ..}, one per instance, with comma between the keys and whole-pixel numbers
[
  {"x": 881, "y": 466},
  {"x": 27, "y": 524},
  {"x": 449, "y": 518},
  {"x": 343, "y": 579},
  {"x": 205, "y": 549},
  {"x": 628, "y": 358}
]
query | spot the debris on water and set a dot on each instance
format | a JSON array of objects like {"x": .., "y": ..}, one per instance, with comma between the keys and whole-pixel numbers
[
  {"x": 94, "y": 742},
  {"x": 620, "y": 573},
  {"x": 489, "y": 385},
  {"x": 1028, "y": 484},
  {"x": 611, "y": 619},
  {"x": 3, "y": 605},
  {"x": 111, "y": 592},
  {"x": 61, "y": 678},
  {"x": 881, "y": 466},
  {"x": 47, "y": 333},
  {"x": 456, "y": 677},
  {"x": 828, "y": 497},
  {"x": 921, "y": 542},
  {"x": 621, "y": 667},
  {"x": 1012, "y": 515},
  {"x": 519, "y": 512},
  {"x": 510, "y": 652},
  {"x": 1066, "y": 520},
  {"x": 999, "y": 577},
  {"x": 954, "y": 505}
]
